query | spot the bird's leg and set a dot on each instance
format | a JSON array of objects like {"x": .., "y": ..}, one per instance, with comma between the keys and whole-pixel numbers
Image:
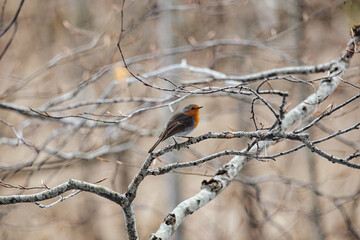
[{"x": 176, "y": 144}]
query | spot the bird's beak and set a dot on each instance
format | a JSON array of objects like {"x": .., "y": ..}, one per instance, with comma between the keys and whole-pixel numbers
[{"x": 200, "y": 107}]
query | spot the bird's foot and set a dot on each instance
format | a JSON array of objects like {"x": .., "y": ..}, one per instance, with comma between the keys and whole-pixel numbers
[{"x": 189, "y": 138}]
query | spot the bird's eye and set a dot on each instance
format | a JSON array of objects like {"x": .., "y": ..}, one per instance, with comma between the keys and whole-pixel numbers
[{"x": 192, "y": 108}]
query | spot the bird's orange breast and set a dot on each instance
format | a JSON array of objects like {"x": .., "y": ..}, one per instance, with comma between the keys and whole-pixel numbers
[{"x": 196, "y": 115}]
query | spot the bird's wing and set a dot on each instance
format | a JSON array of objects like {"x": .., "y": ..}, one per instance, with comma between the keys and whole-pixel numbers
[{"x": 178, "y": 123}]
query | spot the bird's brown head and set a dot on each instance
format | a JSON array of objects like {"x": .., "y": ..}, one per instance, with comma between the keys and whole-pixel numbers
[{"x": 193, "y": 110}]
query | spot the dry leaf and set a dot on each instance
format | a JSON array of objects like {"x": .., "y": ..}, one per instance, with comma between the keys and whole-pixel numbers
[
  {"x": 121, "y": 73},
  {"x": 229, "y": 135},
  {"x": 101, "y": 180},
  {"x": 102, "y": 159},
  {"x": 230, "y": 127},
  {"x": 42, "y": 182},
  {"x": 192, "y": 40}
]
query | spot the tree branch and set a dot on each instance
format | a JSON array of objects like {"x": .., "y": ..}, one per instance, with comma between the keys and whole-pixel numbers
[
  {"x": 62, "y": 188},
  {"x": 211, "y": 188}
]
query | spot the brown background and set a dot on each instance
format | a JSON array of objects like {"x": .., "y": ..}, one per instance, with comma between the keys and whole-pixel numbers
[{"x": 310, "y": 32}]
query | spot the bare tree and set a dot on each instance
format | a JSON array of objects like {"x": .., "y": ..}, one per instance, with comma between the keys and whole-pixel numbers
[{"x": 90, "y": 114}]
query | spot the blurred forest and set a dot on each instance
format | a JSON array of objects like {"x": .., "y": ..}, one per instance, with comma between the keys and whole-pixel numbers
[{"x": 70, "y": 109}]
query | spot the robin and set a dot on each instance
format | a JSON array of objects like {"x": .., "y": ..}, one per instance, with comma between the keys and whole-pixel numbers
[{"x": 181, "y": 124}]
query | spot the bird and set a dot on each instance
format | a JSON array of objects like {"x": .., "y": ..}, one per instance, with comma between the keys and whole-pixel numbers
[{"x": 180, "y": 124}]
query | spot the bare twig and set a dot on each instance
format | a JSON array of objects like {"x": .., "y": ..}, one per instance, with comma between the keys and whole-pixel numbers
[{"x": 13, "y": 21}]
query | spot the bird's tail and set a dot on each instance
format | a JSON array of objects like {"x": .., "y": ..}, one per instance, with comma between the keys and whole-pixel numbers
[{"x": 155, "y": 145}]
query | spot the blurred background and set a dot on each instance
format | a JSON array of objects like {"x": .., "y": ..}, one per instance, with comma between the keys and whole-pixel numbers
[{"x": 68, "y": 48}]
